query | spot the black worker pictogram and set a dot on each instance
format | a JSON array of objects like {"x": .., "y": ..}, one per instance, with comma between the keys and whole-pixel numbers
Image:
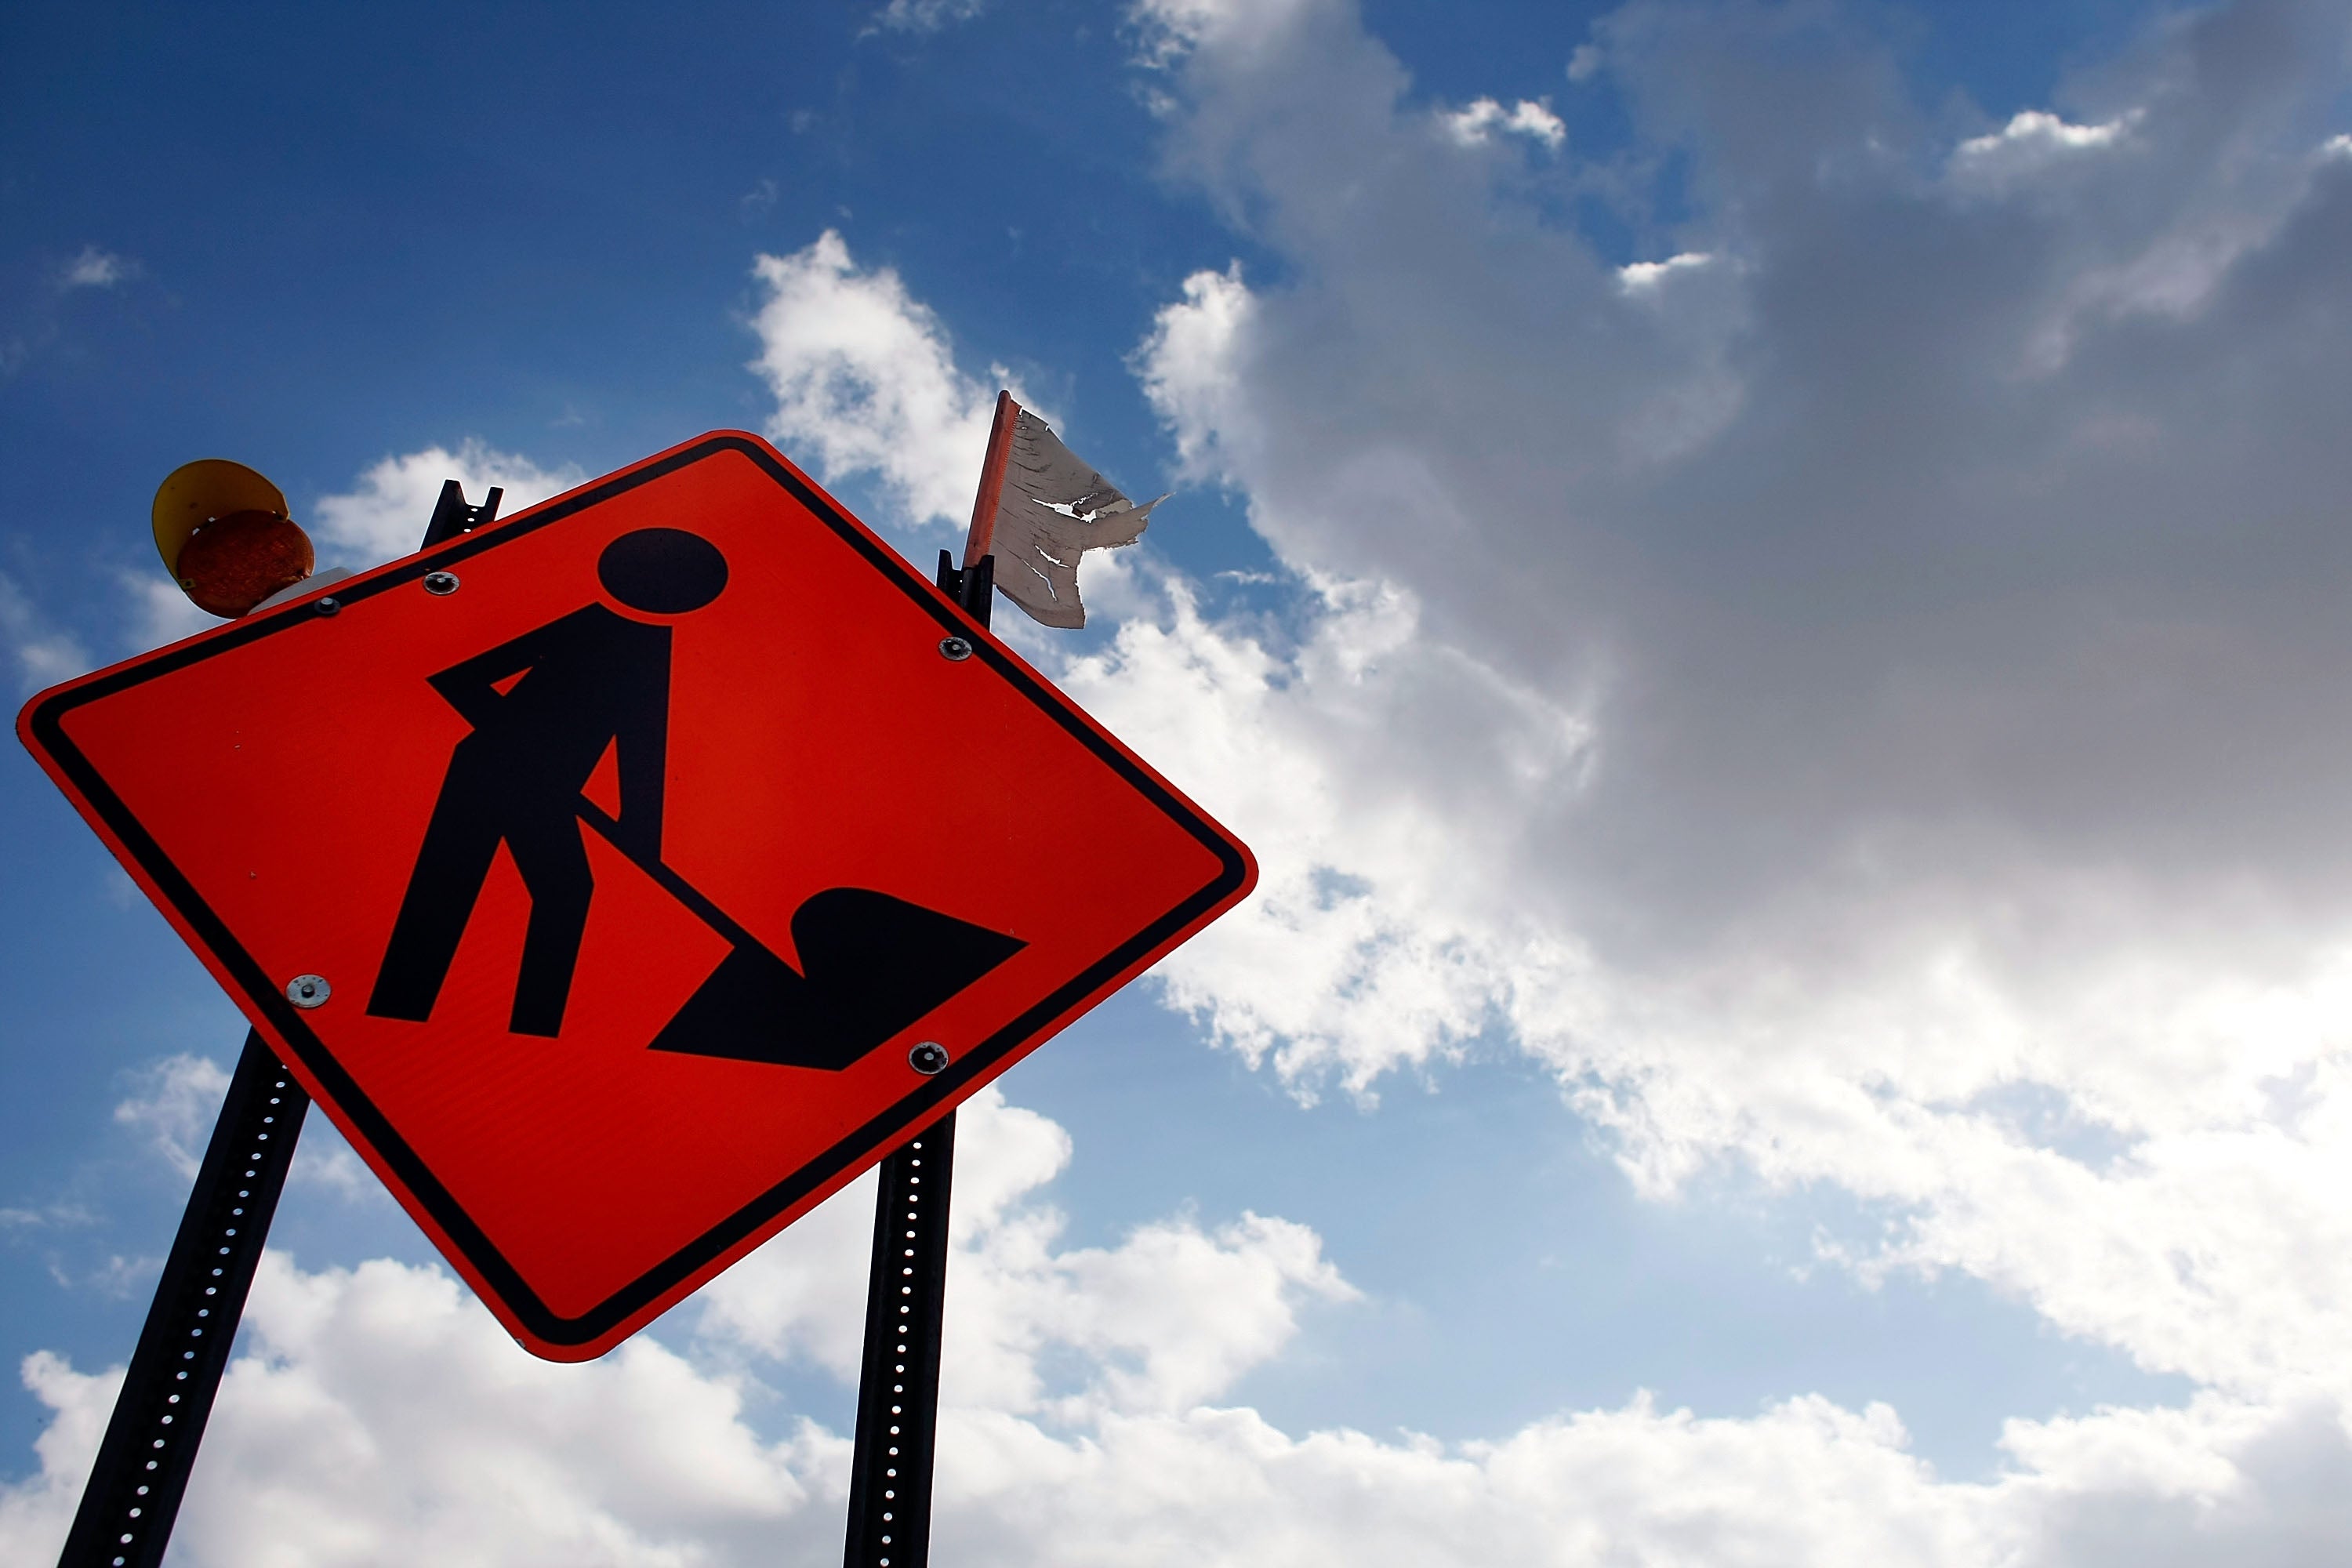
[{"x": 544, "y": 707}]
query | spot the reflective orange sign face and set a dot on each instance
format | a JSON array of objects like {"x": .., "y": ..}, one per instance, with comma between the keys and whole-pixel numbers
[{"x": 626, "y": 877}]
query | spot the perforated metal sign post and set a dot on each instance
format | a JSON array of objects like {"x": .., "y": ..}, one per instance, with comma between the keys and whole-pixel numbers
[
  {"x": 625, "y": 876},
  {"x": 143, "y": 1461},
  {"x": 906, "y": 1298}
]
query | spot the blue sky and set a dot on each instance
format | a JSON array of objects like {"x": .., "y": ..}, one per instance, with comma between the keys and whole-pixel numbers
[{"x": 1764, "y": 580}]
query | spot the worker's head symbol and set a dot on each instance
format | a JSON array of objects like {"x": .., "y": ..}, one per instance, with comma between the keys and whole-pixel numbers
[{"x": 662, "y": 571}]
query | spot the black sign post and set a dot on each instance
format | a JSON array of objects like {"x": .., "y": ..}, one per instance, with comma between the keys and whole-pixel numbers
[{"x": 906, "y": 1294}]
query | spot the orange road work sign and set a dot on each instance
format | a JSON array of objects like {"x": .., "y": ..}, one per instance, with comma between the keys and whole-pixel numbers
[{"x": 626, "y": 877}]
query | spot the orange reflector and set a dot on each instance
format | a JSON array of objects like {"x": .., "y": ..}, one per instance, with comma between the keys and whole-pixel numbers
[
  {"x": 222, "y": 532},
  {"x": 195, "y": 493}
]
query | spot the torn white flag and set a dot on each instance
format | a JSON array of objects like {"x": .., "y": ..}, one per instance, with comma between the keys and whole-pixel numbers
[{"x": 1053, "y": 508}]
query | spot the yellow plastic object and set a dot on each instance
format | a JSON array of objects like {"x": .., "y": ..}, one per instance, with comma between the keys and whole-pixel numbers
[{"x": 195, "y": 493}]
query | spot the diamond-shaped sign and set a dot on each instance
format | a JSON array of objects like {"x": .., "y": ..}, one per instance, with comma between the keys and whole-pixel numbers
[{"x": 626, "y": 877}]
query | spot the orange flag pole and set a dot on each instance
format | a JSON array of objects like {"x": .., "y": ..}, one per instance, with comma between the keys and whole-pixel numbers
[{"x": 991, "y": 480}]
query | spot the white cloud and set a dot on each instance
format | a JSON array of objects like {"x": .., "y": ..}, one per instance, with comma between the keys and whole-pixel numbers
[
  {"x": 35, "y": 1512},
  {"x": 1172, "y": 29},
  {"x": 864, "y": 380},
  {"x": 1584, "y": 64},
  {"x": 1645, "y": 276},
  {"x": 325, "y": 1161},
  {"x": 96, "y": 268},
  {"x": 45, "y": 652},
  {"x": 1477, "y": 124},
  {"x": 382, "y": 1416},
  {"x": 1512, "y": 785},
  {"x": 1363, "y": 762},
  {"x": 175, "y": 1106},
  {"x": 385, "y": 517},
  {"x": 1188, "y": 370},
  {"x": 1170, "y": 1317},
  {"x": 121, "y": 1277},
  {"x": 2033, "y": 136},
  {"x": 1858, "y": 709},
  {"x": 1836, "y": 789},
  {"x": 159, "y": 612},
  {"x": 379, "y": 1414},
  {"x": 926, "y": 16}
]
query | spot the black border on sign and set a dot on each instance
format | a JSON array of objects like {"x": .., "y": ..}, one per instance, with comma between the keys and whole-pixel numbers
[{"x": 45, "y": 722}]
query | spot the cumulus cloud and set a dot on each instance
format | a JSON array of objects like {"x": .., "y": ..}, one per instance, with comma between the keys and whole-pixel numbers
[
  {"x": 1896, "y": 924},
  {"x": 384, "y": 517},
  {"x": 35, "y": 1512},
  {"x": 96, "y": 268},
  {"x": 1648, "y": 276},
  {"x": 866, "y": 382},
  {"x": 1170, "y": 1317},
  {"x": 1324, "y": 970},
  {"x": 41, "y": 320},
  {"x": 926, "y": 16},
  {"x": 2036, "y": 133},
  {"x": 1484, "y": 117},
  {"x": 1920, "y": 637},
  {"x": 378, "y": 1413},
  {"x": 174, "y": 1106},
  {"x": 159, "y": 611},
  {"x": 1722, "y": 677},
  {"x": 45, "y": 652},
  {"x": 381, "y": 1415}
]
